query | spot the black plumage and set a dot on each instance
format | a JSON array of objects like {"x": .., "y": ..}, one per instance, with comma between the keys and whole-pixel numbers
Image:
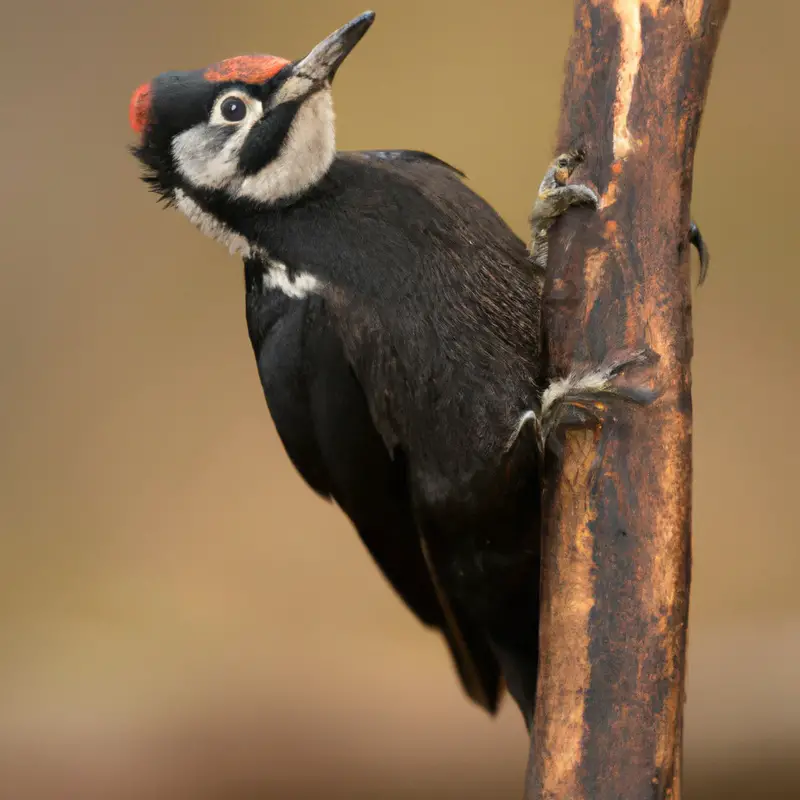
[
  {"x": 322, "y": 417},
  {"x": 395, "y": 320},
  {"x": 398, "y": 394}
]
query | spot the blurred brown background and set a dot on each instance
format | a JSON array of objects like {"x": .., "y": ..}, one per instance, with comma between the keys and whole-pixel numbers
[{"x": 179, "y": 616}]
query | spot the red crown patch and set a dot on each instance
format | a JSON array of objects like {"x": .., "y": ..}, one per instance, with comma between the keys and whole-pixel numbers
[
  {"x": 139, "y": 109},
  {"x": 247, "y": 69}
]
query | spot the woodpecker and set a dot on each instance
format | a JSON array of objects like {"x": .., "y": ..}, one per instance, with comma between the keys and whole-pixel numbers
[{"x": 395, "y": 322}]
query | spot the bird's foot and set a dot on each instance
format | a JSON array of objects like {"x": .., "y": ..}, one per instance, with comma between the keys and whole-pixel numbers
[
  {"x": 555, "y": 197},
  {"x": 697, "y": 240},
  {"x": 581, "y": 396}
]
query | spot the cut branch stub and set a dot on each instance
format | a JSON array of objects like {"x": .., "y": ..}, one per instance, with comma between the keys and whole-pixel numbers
[{"x": 617, "y": 541}]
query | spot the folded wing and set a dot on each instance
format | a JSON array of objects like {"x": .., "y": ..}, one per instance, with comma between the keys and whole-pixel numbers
[{"x": 322, "y": 417}]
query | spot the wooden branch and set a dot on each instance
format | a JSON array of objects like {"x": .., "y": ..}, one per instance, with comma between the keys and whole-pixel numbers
[{"x": 617, "y": 548}]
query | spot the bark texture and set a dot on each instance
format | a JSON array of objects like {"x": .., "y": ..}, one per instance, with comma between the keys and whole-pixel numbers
[{"x": 617, "y": 544}]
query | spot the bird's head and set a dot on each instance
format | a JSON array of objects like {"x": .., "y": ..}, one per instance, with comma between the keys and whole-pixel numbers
[{"x": 257, "y": 128}]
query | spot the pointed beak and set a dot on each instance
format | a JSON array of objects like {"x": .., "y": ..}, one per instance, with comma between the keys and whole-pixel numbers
[{"x": 323, "y": 61}]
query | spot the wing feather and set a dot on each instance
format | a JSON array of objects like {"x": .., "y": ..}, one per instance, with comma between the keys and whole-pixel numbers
[{"x": 322, "y": 417}]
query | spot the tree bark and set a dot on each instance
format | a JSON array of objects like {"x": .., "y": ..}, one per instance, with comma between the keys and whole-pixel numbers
[{"x": 617, "y": 539}]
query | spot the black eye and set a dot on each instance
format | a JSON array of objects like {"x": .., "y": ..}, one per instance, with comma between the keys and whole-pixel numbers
[{"x": 233, "y": 109}]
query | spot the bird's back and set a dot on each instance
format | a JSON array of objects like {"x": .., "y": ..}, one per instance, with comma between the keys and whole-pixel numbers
[{"x": 439, "y": 310}]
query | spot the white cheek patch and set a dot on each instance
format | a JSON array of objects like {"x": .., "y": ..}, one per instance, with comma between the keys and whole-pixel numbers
[
  {"x": 212, "y": 227},
  {"x": 207, "y": 155},
  {"x": 291, "y": 89},
  {"x": 207, "y": 160},
  {"x": 307, "y": 154}
]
